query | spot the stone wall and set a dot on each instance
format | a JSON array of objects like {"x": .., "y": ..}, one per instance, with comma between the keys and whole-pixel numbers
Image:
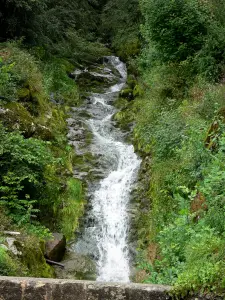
[{"x": 12, "y": 288}]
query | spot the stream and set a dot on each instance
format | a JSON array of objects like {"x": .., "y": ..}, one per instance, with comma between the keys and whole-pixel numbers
[{"x": 105, "y": 234}]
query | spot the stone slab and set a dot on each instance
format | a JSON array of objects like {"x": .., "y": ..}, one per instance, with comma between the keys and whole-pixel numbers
[{"x": 13, "y": 288}]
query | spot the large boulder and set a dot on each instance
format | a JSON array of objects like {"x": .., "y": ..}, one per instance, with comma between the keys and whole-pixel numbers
[{"x": 56, "y": 247}]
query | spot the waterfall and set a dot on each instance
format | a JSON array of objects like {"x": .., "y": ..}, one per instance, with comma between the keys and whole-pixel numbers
[{"x": 106, "y": 236}]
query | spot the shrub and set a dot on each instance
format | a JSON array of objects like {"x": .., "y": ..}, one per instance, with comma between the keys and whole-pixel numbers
[
  {"x": 176, "y": 28},
  {"x": 7, "y": 266},
  {"x": 22, "y": 165}
]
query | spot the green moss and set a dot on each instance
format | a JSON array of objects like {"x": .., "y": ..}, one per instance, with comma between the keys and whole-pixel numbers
[
  {"x": 120, "y": 103},
  {"x": 138, "y": 91},
  {"x": 38, "y": 104},
  {"x": 17, "y": 117},
  {"x": 127, "y": 93},
  {"x": 33, "y": 257},
  {"x": 73, "y": 206},
  {"x": 23, "y": 94},
  {"x": 126, "y": 116},
  {"x": 131, "y": 81}
]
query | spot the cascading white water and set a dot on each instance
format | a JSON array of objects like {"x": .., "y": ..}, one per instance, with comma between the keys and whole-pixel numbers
[{"x": 110, "y": 199}]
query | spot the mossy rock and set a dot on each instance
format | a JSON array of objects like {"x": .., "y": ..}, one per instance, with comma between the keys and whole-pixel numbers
[
  {"x": 131, "y": 81},
  {"x": 16, "y": 117},
  {"x": 86, "y": 160},
  {"x": 33, "y": 257},
  {"x": 124, "y": 119},
  {"x": 121, "y": 103},
  {"x": 23, "y": 94},
  {"x": 43, "y": 132},
  {"x": 127, "y": 93},
  {"x": 37, "y": 104},
  {"x": 77, "y": 266}
]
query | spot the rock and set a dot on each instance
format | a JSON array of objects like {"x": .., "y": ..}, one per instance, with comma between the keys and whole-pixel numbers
[
  {"x": 15, "y": 117},
  {"x": 11, "y": 232},
  {"x": 12, "y": 246},
  {"x": 77, "y": 266},
  {"x": 55, "y": 248},
  {"x": 43, "y": 132},
  {"x": 3, "y": 111},
  {"x": 24, "y": 94},
  {"x": 13, "y": 288},
  {"x": 127, "y": 93}
]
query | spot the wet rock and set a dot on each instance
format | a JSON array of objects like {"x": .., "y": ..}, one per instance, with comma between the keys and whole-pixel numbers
[
  {"x": 71, "y": 122},
  {"x": 55, "y": 248},
  {"x": 97, "y": 173},
  {"x": 77, "y": 266}
]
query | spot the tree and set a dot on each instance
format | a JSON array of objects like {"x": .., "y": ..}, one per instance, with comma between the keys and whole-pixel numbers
[{"x": 177, "y": 28}]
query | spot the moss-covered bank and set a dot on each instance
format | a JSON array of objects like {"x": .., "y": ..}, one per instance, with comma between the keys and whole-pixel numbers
[
  {"x": 38, "y": 191},
  {"x": 179, "y": 224}
]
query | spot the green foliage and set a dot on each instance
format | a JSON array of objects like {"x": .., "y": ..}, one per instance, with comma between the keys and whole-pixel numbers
[
  {"x": 177, "y": 28},
  {"x": 7, "y": 266},
  {"x": 185, "y": 30},
  {"x": 58, "y": 84},
  {"x": 192, "y": 258},
  {"x": 185, "y": 216},
  {"x": 21, "y": 79},
  {"x": 37, "y": 230},
  {"x": 63, "y": 28},
  {"x": 168, "y": 133},
  {"x": 212, "y": 188},
  {"x": 26, "y": 70},
  {"x": 120, "y": 25},
  {"x": 34, "y": 174},
  {"x": 7, "y": 86},
  {"x": 22, "y": 165},
  {"x": 204, "y": 269}
]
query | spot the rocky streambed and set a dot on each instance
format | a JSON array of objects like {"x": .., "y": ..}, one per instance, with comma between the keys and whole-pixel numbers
[{"x": 109, "y": 167}]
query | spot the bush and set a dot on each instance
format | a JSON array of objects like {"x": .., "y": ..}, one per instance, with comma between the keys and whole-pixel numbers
[
  {"x": 23, "y": 162},
  {"x": 57, "y": 83},
  {"x": 176, "y": 28},
  {"x": 204, "y": 268},
  {"x": 185, "y": 31},
  {"x": 7, "y": 84},
  {"x": 7, "y": 266}
]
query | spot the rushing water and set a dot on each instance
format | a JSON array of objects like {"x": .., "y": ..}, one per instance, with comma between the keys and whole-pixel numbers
[{"x": 105, "y": 237}]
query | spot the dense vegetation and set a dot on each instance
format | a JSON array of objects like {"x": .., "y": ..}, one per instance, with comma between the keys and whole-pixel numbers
[
  {"x": 41, "y": 43},
  {"x": 176, "y": 51},
  {"x": 180, "y": 134}
]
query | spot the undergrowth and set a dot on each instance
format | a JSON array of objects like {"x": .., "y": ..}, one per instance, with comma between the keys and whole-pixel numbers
[{"x": 37, "y": 191}]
